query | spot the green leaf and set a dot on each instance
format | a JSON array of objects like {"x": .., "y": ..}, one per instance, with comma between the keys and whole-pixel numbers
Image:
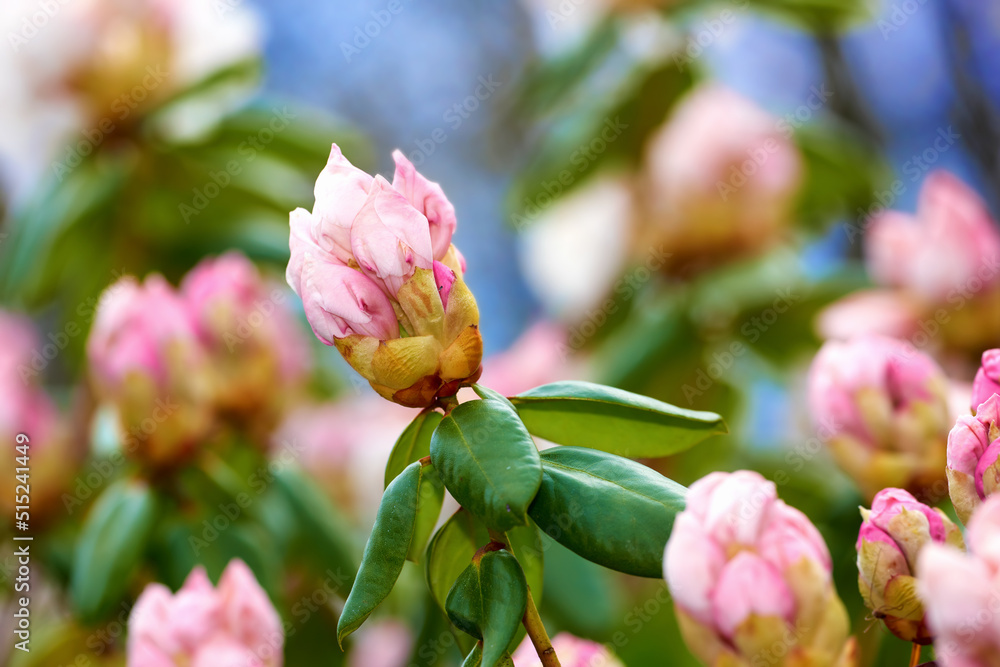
[
  {"x": 487, "y": 393},
  {"x": 321, "y": 522},
  {"x": 475, "y": 658},
  {"x": 110, "y": 546},
  {"x": 430, "y": 500},
  {"x": 488, "y": 602},
  {"x": 454, "y": 545},
  {"x": 413, "y": 444},
  {"x": 244, "y": 72},
  {"x": 385, "y": 552},
  {"x": 488, "y": 462},
  {"x": 608, "y": 509},
  {"x": 583, "y": 414}
]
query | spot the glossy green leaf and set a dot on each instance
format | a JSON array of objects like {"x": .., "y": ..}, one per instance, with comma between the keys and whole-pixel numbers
[
  {"x": 413, "y": 444},
  {"x": 608, "y": 509},
  {"x": 110, "y": 546},
  {"x": 475, "y": 658},
  {"x": 487, "y": 393},
  {"x": 385, "y": 552},
  {"x": 488, "y": 602},
  {"x": 488, "y": 462},
  {"x": 583, "y": 414},
  {"x": 431, "y": 498},
  {"x": 454, "y": 545},
  {"x": 328, "y": 533}
]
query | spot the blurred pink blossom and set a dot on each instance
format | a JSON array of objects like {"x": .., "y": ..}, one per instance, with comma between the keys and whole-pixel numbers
[
  {"x": 384, "y": 643},
  {"x": 882, "y": 406},
  {"x": 747, "y": 570},
  {"x": 25, "y": 409},
  {"x": 345, "y": 446},
  {"x": 259, "y": 356},
  {"x": 722, "y": 176},
  {"x": 85, "y": 69},
  {"x": 946, "y": 246},
  {"x": 870, "y": 312},
  {"x": 231, "y": 625},
  {"x": 960, "y": 593},
  {"x": 147, "y": 360},
  {"x": 539, "y": 356},
  {"x": 572, "y": 652}
]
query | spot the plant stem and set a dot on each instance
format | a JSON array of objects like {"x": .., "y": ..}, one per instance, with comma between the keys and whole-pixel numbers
[
  {"x": 539, "y": 638},
  {"x": 915, "y": 655},
  {"x": 532, "y": 621}
]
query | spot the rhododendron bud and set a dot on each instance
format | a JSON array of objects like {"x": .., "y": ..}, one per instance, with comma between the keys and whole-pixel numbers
[
  {"x": 258, "y": 355},
  {"x": 892, "y": 537},
  {"x": 147, "y": 360},
  {"x": 379, "y": 278},
  {"x": 750, "y": 576},
  {"x": 987, "y": 380},
  {"x": 721, "y": 177},
  {"x": 882, "y": 407},
  {"x": 232, "y": 625},
  {"x": 949, "y": 248},
  {"x": 974, "y": 458},
  {"x": 949, "y": 240},
  {"x": 572, "y": 652},
  {"x": 961, "y": 592},
  {"x": 27, "y": 411}
]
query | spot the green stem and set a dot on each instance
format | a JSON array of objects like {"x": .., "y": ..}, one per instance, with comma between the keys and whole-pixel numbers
[
  {"x": 532, "y": 621},
  {"x": 539, "y": 637}
]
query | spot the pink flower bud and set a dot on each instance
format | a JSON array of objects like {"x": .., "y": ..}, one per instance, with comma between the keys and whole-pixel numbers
[
  {"x": 444, "y": 278},
  {"x": 428, "y": 198},
  {"x": 390, "y": 238},
  {"x": 357, "y": 307},
  {"x": 882, "y": 407},
  {"x": 135, "y": 327},
  {"x": 987, "y": 381},
  {"x": 258, "y": 354},
  {"x": 722, "y": 177},
  {"x": 572, "y": 652},
  {"x": 961, "y": 593},
  {"x": 942, "y": 248},
  {"x": 341, "y": 190},
  {"x": 379, "y": 279},
  {"x": 147, "y": 360},
  {"x": 746, "y": 570},
  {"x": 893, "y": 535},
  {"x": 231, "y": 625},
  {"x": 974, "y": 458}
]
